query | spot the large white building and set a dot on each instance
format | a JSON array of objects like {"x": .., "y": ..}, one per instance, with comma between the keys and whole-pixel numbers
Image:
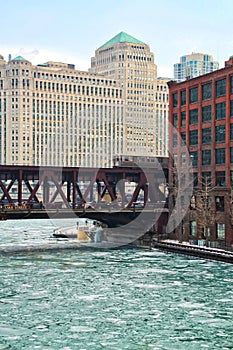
[
  {"x": 193, "y": 65},
  {"x": 130, "y": 61},
  {"x": 52, "y": 114}
]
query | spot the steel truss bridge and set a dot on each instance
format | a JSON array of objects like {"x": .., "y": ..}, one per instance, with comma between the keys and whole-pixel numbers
[{"x": 42, "y": 192}]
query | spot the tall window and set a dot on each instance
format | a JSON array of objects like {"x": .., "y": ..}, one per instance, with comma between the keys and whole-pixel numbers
[
  {"x": 231, "y": 82},
  {"x": 231, "y": 108},
  {"x": 193, "y": 137},
  {"x": 220, "y": 230},
  {"x": 220, "y": 178},
  {"x": 193, "y": 116},
  {"x": 206, "y": 91},
  {"x": 195, "y": 179},
  {"x": 220, "y": 133},
  {"x": 183, "y": 118},
  {"x": 231, "y": 131},
  {"x": 206, "y": 114},
  {"x": 193, "y": 228},
  {"x": 183, "y": 97},
  {"x": 206, "y": 157},
  {"x": 206, "y": 135},
  {"x": 220, "y": 156},
  {"x": 206, "y": 178},
  {"x": 220, "y": 110},
  {"x": 194, "y": 158},
  {"x": 175, "y": 140},
  {"x": 183, "y": 138},
  {"x": 219, "y": 203},
  {"x": 175, "y": 99},
  {"x": 193, "y": 95},
  {"x": 231, "y": 155},
  {"x": 221, "y": 87},
  {"x": 175, "y": 120}
]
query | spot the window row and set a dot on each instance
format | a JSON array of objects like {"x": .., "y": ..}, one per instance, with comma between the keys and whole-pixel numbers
[
  {"x": 208, "y": 181},
  {"x": 207, "y": 136},
  {"x": 208, "y": 156},
  {"x": 206, "y": 92},
  {"x": 73, "y": 89},
  {"x": 220, "y": 228},
  {"x": 206, "y": 114}
]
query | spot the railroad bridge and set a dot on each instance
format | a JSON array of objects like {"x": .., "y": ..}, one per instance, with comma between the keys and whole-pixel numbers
[{"x": 113, "y": 195}]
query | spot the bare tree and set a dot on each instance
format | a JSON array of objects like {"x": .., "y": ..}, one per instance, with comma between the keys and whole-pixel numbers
[{"x": 203, "y": 203}]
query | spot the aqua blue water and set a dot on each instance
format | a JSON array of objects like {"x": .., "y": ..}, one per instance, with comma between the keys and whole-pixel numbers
[{"x": 133, "y": 299}]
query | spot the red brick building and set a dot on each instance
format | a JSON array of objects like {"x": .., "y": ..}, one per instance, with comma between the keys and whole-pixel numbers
[{"x": 201, "y": 113}]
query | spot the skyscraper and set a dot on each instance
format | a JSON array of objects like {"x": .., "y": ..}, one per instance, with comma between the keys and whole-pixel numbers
[
  {"x": 193, "y": 65},
  {"x": 130, "y": 62}
]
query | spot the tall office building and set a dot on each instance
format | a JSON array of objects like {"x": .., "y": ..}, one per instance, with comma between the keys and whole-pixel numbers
[
  {"x": 193, "y": 65},
  {"x": 52, "y": 114},
  {"x": 130, "y": 61},
  {"x": 201, "y": 112}
]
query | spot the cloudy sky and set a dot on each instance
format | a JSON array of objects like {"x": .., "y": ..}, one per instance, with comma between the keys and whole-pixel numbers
[{"x": 70, "y": 31}]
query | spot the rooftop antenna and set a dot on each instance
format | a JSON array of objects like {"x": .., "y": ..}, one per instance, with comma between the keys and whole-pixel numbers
[{"x": 9, "y": 57}]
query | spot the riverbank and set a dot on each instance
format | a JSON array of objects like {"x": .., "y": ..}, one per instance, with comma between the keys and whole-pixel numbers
[{"x": 194, "y": 250}]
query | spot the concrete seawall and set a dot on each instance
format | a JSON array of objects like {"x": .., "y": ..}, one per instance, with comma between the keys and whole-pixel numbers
[{"x": 194, "y": 250}]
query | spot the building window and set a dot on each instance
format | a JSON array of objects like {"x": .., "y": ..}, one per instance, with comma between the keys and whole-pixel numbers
[
  {"x": 220, "y": 231},
  {"x": 206, "y": 91},
  {"x": 206, "y": 157},
  {"x": 183, "y": 138},
  {"x": 175, "y": 99},
  {"x": 175, "y": 140},
  {"x": 220, "y": 133},
  {"x": 206, "y": 178},
  {"x": 195, "y": 179},
  {"x": 193, "y": 228},
  {"x": 193, "y": 95},
  {"x": 183, "y": 158},
  {"x": 231, "y": 108},
  {"x": 220, "y": 156},
  {"x": 193, "y": 116},
  {"x": 231, "y": 179},
  {"x": 231, "y": 131},
  {"x": 183, "y": 97},
  {"x": 231, "y": 155},
  {"x": 183, "y": 118},
  {"x": 219, "y": 202},
  {"x": 221, "y": 87},
  {"x": 206, "y": 114},
  {"x": 175, "y": 120},
  {"x": 220, "y": 178},
  {"x": 231, "y": 82},
  {"x": 194, "y": 158},
  {"x": 220, "y": 110},
  {"x": 193, "y": 137},
  {"x": 206, "y": 136}
]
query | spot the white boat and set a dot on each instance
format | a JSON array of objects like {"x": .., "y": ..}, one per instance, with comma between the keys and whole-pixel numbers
[{"x": 88, "y": 232}]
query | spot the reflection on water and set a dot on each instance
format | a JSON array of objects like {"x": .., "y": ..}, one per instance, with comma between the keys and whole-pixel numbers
[{"x": 117, "y": 299}]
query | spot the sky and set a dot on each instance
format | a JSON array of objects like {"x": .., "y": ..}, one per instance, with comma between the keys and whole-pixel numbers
[{"x": 70, "y": 31}]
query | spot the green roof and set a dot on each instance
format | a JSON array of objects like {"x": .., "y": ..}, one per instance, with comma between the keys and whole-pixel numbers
[
  {"x": 19, "y": 58},
  {"x": 122, "y": 37}
]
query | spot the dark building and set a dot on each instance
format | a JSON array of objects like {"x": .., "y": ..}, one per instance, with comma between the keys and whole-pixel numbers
[{"x": 201, "y": 117}]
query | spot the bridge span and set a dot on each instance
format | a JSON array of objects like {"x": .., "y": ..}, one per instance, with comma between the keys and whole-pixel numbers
[{"x": 111, "y": 195}]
